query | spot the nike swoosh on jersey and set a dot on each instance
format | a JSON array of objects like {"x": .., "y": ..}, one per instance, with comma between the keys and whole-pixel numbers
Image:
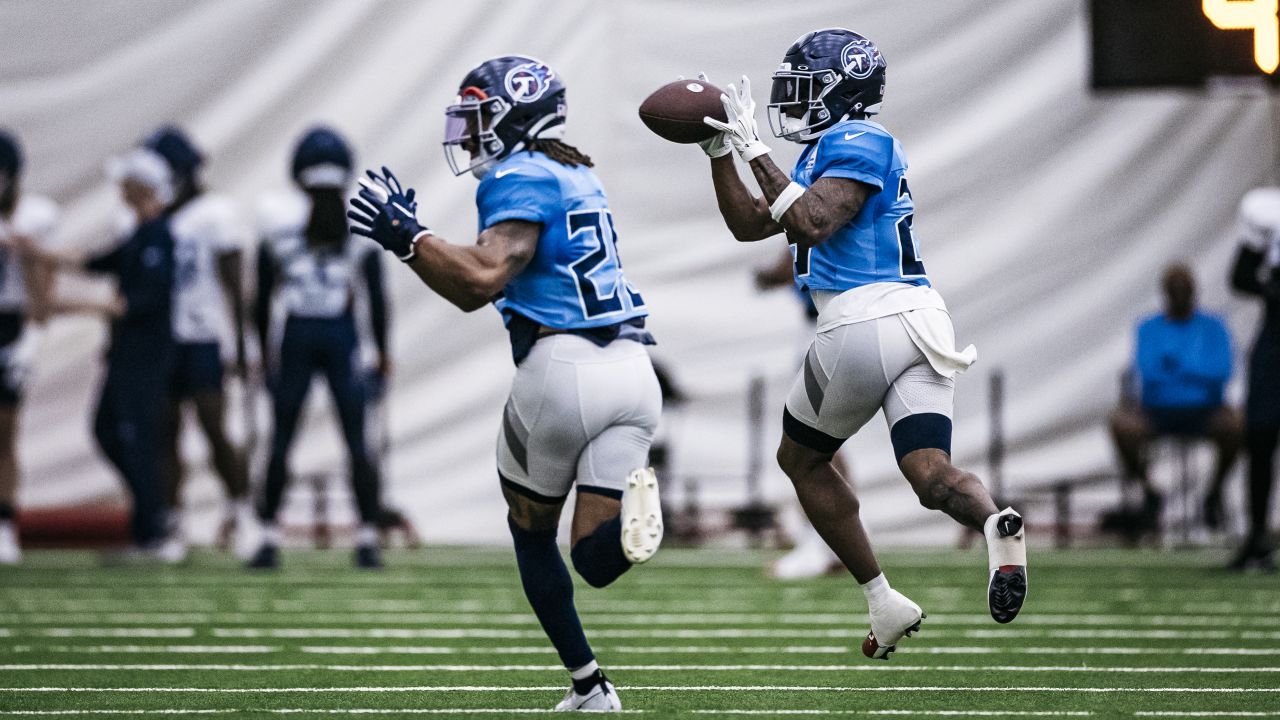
[
  {"x": 503, "y": 173},
  {"x": 850, "y": 136}
]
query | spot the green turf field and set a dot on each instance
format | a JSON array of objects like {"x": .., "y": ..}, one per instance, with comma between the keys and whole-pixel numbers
[{"x": 446, "y": 632}]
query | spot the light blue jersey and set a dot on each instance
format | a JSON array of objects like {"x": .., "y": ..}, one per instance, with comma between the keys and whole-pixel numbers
[
  {"x": 574, "y": 280},
  {"x": 877, "y": 245}
]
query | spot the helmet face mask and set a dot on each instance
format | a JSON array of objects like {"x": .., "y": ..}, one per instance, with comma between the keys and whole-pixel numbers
[
  {"x": 471, "y": 143},
  {"x": 825, "y": 77},
  {"x": 503, "y": 103}
]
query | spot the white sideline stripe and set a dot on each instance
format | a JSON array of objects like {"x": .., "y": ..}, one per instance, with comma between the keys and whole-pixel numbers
[
  {"x": 305, "y": 711},
  {"x": 881, "y": 668},
  {"x": 154, "y": 711},
  {"x": 150, "y": 649},
  {"x": 1203, "y": 714},
  {"x": 816, "y": 633},
  {"x": 547, "y": 650},
  {"x": 115, "y": 632},
  {"x": 1073, "y": 620},
  {"x": 940, "y": 712},
  {"x": 622, "y": 649},
  {"x": 653, "y": 688}
]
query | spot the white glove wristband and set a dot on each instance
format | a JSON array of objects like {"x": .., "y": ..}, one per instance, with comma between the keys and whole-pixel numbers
[
  {"x": 788, "y": 197},
  {"x": 753, "y": 150},
  {"x": 413, "y": 246}
]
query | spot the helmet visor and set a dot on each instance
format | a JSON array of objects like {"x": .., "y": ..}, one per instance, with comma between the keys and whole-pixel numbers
[
  {"x": 469, "y": 138},
  {"x": 796, "y": 108}
]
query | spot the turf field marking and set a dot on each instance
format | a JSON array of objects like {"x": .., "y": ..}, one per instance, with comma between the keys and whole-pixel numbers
[
  {"x": 653, "y": 688},
  {"x": 620, "y": 649},
  {"x": 879, "y": 668},
  {"x": 726, "y": 633},
  {"x": 1205, "y": 714},
  {"x": 941, "y": 712},
  {"x": 103, "y": 632},
  {"x": 546, "y": 650},
  {"x": 1073, "y": 620},
  {"x": 150, "y": 649},
  {"x": 305, "y": 711}
]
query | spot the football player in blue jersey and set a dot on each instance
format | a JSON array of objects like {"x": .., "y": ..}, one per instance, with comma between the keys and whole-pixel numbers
[
  {"x": 585, "y": 401},
  {"x": 884, "y": 338}
]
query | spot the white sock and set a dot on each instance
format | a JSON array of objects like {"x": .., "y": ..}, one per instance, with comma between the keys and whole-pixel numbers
[
  {"x": 585, "y": 671},
  {"x": 271, "y": 534},
  {"x": 876, "y": 589},
  {"x": 367, "y": 535}
]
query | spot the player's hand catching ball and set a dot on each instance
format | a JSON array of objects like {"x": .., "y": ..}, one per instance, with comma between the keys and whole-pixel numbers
[
  {"x": 741, "y": 128},
  {"x": 717, "y": 145},
  {"x": 386, "y": 214}
]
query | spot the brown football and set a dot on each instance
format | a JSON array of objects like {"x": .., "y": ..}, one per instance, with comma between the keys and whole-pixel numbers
[{"x": 675, "y": 110}]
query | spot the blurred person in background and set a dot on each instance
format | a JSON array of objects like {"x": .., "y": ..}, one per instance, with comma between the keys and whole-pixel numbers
[
  {"x": 1257, "y": 273},
  {"x": 811, "y": 557},
  {"x": 1182, "y": 363},
  {"x": 312, "y": 273},
  {"x": 209, "y": 233},
  {"x": 26, "y": 219},
  {"x": 139, "y": 357}
]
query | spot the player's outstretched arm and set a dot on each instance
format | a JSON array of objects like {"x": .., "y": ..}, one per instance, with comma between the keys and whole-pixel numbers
[
  {"x": 469, "y": 276},
  {"x": 746, "y": 216},
  {"x": 808, "y": 216}
]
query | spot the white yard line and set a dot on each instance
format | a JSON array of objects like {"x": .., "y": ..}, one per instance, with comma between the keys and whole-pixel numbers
[
  {"x": 933, "y": 712},
  {"x": 691, "y": 633},
  {"x": 655, "y": 688},
  {"x": 1072, "y": 620},
  {"x": 442, "y": 668},
  {"x": 149, "y": 649}
]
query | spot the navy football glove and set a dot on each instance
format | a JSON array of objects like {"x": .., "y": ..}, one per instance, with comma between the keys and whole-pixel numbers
[{"x": 386, "y": 214}]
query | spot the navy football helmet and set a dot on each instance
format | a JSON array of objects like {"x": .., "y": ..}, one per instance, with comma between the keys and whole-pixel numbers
[
  {"x": 501, "y": 104},
  {"x": 322, "y": 159},
  {"x": 825, "y": 77},
  {"x": 10, "y": 155}
]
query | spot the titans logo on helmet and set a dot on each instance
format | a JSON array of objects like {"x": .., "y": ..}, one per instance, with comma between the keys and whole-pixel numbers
[
  {"x": 526, "y": 83},
  {"x": 859, "y": 59}
]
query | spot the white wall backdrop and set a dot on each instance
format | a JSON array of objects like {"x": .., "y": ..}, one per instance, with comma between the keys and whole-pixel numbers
[{"x": 1045, "y": 211}]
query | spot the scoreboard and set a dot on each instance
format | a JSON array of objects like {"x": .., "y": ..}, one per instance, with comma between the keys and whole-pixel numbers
[{"x": 1185, "y": 43}]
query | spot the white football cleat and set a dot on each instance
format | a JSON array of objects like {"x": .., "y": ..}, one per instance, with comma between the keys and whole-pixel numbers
[
  {"x": 1007, "y": 561},
  {"x": 601, "y": 698},
  {"x": 10, "y": 552},
  {"x": 891, "y": 620},
  {"x": 810, "y": 558},
  {"x": 641, "y": 516}
]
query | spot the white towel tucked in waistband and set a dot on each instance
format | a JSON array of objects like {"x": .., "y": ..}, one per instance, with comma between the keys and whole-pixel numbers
[{"x": 930, "y": 329}]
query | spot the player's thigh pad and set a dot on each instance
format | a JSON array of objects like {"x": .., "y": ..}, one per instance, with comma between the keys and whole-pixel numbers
[
  {"x": 842, "y": 382},
  {"x": 918, "y": 404},
  {"x": 566, "y": 394},
  {"x": 622, "y": 408}
]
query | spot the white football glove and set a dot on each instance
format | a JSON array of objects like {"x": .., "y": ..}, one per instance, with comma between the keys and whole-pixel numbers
[
  {"x": 717, "y": 145},
  {"x": 740, "y": 109}
]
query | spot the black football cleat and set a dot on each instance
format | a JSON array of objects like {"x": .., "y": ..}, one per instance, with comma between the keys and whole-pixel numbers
[
  {"x": 266, "y": 558},
  {"x": 1007, "y": 551},
  {"x": 368, "y": 557}
]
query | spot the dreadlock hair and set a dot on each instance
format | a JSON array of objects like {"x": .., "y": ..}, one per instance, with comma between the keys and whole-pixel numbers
[{"x": 560, "y": 151}]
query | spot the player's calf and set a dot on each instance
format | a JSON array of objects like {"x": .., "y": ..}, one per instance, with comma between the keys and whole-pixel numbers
[{"x": 1007, "y": 560}]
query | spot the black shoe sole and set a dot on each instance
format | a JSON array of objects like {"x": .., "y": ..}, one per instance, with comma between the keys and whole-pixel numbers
[{"x": 1006, "y": 593}]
